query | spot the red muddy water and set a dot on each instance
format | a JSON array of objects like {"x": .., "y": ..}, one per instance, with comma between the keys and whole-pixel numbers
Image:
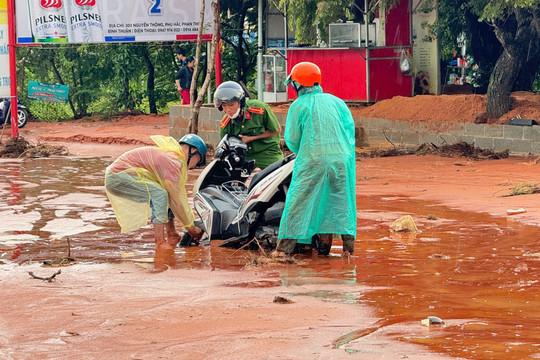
[{"x": 476, "y": 271}]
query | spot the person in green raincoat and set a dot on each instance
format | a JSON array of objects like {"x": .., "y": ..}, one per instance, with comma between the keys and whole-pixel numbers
[
  {"x": 321, "y": 199},
  {"x": 252, "y": 121},
  {"x": 150, "y": 181}
]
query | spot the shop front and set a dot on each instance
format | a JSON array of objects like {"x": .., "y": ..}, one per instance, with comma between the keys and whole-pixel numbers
[{"x": 361, "y": 62}]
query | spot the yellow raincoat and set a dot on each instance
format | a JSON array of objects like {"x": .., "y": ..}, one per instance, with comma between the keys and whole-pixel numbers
[{"x": 149, "y": 179}]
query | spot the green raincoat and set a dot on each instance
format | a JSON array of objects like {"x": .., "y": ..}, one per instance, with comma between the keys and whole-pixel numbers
[{"x": 321, "y": 198}]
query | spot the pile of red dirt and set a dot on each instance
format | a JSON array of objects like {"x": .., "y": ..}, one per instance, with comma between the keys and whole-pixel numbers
[
  {"x": 449, "y": 108},
  {"x": 444, "y": 108}
]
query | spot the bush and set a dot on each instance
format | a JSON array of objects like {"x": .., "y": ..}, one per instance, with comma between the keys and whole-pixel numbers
[{"x": 49, "y": 112}]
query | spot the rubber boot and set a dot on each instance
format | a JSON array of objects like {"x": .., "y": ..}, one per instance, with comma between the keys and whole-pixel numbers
[
  {"x": 326, "y": 244},
  {"x": 286, "y": 246},
  {"x": 348, "y": 244}
]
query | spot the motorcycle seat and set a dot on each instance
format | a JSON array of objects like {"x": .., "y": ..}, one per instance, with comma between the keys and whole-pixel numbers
[{"x": 262, "y": 174}]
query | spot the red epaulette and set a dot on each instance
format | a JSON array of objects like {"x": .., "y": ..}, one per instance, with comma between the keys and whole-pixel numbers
[
  {"x": 225, "y": 122},
  {"x": 256, "y": 110}
]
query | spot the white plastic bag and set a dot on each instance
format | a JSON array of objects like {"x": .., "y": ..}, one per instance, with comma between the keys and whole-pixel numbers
[{"x": 405, "y": 63}]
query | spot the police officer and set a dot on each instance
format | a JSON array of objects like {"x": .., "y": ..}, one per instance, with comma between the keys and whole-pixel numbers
[{"x": 250, "y": 120}]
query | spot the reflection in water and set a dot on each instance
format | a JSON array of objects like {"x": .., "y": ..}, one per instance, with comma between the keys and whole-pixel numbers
[{"x": 476, "y": 272}]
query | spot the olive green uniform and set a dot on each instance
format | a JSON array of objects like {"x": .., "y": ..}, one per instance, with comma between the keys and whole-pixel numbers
[{"x": 256, "y": 119}]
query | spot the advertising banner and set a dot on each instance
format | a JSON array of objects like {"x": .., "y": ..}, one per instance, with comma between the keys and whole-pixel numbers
[
  {"x": 95, "y": 21},
  {"x": 4, "y": 51},
  {"x": 48, "y": 92}
]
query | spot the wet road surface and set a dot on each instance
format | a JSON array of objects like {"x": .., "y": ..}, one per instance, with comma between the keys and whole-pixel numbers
[{"x": 476, "y": 272}]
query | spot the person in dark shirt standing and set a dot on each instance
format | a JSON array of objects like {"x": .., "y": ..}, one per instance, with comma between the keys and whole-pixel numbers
[
  {"x": 181, "y": 55},
  {"x": 183, "y": 80}
]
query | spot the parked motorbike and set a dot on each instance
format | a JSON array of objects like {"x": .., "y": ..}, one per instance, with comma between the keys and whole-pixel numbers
[
  {"x": 234, "y": 212},
  {"x": 5, "y": 115}
]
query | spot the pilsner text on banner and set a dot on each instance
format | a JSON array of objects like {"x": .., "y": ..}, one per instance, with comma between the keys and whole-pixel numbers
[{"x": 95, "y": 21}]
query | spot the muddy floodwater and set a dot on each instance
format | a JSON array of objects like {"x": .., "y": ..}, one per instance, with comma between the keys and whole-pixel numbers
[{"x": 477, "y": 272}]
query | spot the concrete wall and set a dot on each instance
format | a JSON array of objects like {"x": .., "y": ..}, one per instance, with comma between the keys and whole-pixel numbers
[{"x": 520, "y": 140}]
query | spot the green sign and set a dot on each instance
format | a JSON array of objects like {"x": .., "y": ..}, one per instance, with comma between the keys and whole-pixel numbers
[{"x": 48, "y": 92}]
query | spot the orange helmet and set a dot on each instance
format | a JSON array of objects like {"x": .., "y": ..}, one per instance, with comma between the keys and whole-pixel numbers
[{"x": 305, "y": 74}]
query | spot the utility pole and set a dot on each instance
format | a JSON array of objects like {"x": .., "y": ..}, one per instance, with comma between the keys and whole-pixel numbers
[
  {"x": 12, "y": 69},
  {"x": 260, "y": 52}
]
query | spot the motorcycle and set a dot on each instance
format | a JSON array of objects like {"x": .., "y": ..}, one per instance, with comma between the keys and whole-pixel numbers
[
  {"x": 5, "y": 115},
  {"x": 234, "y": 212}
]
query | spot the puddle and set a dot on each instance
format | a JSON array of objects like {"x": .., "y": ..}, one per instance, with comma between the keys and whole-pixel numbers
[{"x": 478, "y": 273}]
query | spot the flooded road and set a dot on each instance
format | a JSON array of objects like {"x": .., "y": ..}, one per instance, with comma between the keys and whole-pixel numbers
[{"x": 477, "y": 272}]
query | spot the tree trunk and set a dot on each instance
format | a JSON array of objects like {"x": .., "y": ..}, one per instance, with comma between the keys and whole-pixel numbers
[
  {"x": 239, "y": 43},
  {"x": 61, "y": 81},
  {"x": 515, "y": 34},
  {"x": 500, "y": 85},
  {"x": 79, "y": 98},
  {"x": 210, "y": 59},
  {"x": 193, "y": 126},
  {"x": 127, "y": 99},
  {"x": 150, "y": 81},
  {"x": 526, "y": 76}
]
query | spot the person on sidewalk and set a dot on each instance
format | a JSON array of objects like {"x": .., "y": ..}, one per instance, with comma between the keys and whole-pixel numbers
[
  {"x": 183, "y": 80},
  {"x": 181, "y": 55},
  {"x": 321, "y": 199},
  {"x": 150, "y": 182},
  {"x": 252, "y": 121}
]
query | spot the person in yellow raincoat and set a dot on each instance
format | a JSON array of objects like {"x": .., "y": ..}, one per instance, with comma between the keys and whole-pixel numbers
[
  {"x": 150, "y": 181},
  {"x": 321, "y": 199}
]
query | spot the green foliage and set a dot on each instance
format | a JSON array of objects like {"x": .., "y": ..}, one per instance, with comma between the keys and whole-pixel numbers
[
  {"x": 536, "y": 83},
  {"x": 310, "y": 18},
  {"x": 103, "y": 78},
  {"x": 49, "y": 112},
  {"x": 491, "y": 10},
  {"x": 239, "y": 39}
]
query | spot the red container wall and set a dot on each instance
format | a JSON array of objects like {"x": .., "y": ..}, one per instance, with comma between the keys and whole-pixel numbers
[
  {"x": 398, "y": 26},
  {"x": 385, "y": 77},
  {"x": 343, "y": 70}
]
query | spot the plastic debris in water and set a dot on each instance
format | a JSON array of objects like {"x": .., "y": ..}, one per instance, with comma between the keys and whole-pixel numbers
[
  {"x": 516, "y": 211},
  {"x": 404, "y": 224},
  {"x": 432, "y": 321}
]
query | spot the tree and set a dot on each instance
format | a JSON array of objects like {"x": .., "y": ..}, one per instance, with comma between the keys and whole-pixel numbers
[
  {"x": 150, "y": 82},
  {"x": 73, "y": 65},
  {"x": 238, "y": 27},
  {"x": 310, "y": 18},
  {"x": 517, "y": 27},
  {"x": 196, "y": 105},
  {"x": 505, "y": 39}
]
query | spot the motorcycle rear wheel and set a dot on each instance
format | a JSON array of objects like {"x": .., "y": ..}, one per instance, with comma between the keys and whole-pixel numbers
[{"x": 22, "y": 116}]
